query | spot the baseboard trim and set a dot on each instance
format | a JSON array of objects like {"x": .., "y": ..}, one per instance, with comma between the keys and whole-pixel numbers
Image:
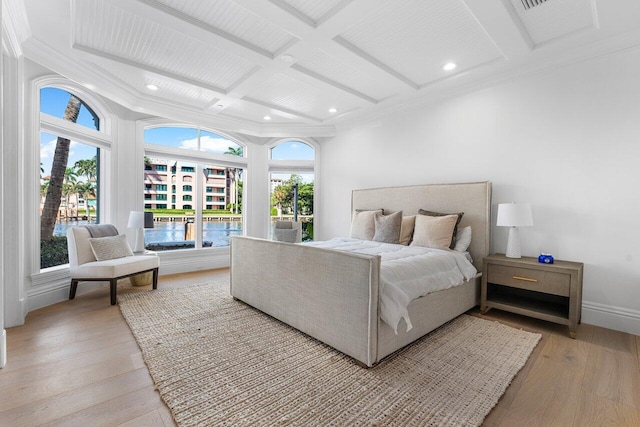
[
  {"x": 611, "y": 317},
  {"x": 3, "y": 349}
]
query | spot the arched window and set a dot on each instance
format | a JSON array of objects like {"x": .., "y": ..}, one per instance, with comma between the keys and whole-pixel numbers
[
  {"x": 71, "y": 166},
  {"x": 201, "y": 163},
  {"x": 292, "y": 180}
]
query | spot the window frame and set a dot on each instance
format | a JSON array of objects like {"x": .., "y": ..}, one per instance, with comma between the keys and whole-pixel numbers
[
  {"x": 101, "y": 139},
  {"x": 201, "y": 159}
]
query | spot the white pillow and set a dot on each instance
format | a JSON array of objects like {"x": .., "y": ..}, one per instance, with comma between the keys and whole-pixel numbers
[
  {"x": 463, "y": 239},
  {"x": 112, "y": 247},
  {"x": 363, "y": 224}
]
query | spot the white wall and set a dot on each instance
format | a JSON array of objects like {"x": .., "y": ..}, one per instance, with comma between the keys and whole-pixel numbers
[{"x": 566, "y": 141}]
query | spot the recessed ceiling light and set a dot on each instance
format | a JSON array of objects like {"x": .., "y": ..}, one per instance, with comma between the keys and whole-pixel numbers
[
  {"x": 151, "y": 87},
  {"x": 220, "y": 106},
  {"x": 449, "y": 66},
  {"x": 267, "y": 117},
  {"x": 287, "y": 57},
  {"x": 333, "y": 110}
]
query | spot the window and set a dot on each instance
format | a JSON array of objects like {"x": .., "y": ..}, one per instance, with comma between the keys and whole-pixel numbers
[
  {"x": 161, "y": 168},
  {"x": 70, "y": 172},
  {"x": 161, "y": 187},
  {"x": 161, "y": 197},
  {"x": 292, "y": 173},
  {"x": 197, "y": 220}
]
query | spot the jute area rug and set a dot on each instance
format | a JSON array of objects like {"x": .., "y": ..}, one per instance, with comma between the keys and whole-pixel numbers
[{"x": 217, "y": 361}]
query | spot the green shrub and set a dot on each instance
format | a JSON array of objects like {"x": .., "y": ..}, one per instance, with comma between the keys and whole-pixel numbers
[{"x": 54, "y": 252}]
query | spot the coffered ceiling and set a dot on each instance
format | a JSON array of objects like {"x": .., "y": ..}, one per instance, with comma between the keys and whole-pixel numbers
[{"x": 231, "y": 63}]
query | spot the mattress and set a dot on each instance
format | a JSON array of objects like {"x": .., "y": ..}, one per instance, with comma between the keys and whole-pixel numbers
[{"x": 407, "y": 273}]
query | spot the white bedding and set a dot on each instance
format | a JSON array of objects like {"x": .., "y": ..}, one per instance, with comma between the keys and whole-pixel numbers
[{"x": 407, "y": 273}]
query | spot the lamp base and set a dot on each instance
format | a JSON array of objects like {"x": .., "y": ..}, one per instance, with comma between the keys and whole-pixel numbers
[
  {"x": 139, "y": 246},
  {"x": 513, "y": 244}
]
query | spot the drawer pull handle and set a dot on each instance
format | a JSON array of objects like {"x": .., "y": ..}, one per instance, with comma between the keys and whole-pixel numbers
[{"x": 525, "y": 279}]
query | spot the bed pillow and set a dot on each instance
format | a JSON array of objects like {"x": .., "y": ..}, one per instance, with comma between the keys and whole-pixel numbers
[
  {"x": 112, "y": 247},
  {"x": 434, "y": 231},
  {"x": 455, "y": 229},
  {"x": 463, "y": 239},
  {"x": 363, "y": 225},
  {"x": 406, "y": 230},
  {"x": 387, "y": 227}
]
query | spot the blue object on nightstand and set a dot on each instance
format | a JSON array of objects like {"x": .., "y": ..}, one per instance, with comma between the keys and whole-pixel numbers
[{"x": 545, "y": 259}]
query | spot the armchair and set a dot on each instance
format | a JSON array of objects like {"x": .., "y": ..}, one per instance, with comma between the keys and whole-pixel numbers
[{"x": 84, "y": 266}]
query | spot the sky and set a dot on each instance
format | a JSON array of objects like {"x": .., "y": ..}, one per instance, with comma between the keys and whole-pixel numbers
[{"x": 54, "y": 101}]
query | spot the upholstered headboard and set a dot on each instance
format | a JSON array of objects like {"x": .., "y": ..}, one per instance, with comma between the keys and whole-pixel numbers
[{"x": 474, "y": 199}]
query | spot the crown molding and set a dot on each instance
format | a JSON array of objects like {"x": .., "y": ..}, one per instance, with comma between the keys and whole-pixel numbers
[{"x": 15, "y": 27}]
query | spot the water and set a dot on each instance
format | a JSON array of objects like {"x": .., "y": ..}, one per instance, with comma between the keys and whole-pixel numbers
[{"x": 217, "y": 233}]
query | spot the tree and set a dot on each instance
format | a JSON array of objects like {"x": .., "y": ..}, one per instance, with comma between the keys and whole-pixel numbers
[
  {"x": 87, "y": 168},
  {"x": 58, "y": 168},
  {"x": 236, "y": 175}
]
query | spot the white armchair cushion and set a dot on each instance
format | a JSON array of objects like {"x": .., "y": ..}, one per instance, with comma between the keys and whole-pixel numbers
[
  {"x": 115, "y": 267},
  {"x": 112, "y": 247}
]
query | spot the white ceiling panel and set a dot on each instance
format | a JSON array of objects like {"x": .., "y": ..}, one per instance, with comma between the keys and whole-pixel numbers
[
  {"x": 298, "y": 97},
  {"x": 247, "y": 111},
  {"x": 235, "y": 20},
  {"x": 109, "y": 29},
  {"x": 336, "y": 70},
  {"x": 416, "y": 37},
  {"x": 167, "y": 89},
  {"x": 313, "y": 12},
  {"x": 547, "y": 20}
]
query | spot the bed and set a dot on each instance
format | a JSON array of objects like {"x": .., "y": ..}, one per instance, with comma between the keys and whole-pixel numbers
[{"x": 334, "y": 296}]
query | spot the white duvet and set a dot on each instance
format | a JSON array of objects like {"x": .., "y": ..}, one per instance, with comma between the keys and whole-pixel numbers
[{"x": 407, "y": 273}]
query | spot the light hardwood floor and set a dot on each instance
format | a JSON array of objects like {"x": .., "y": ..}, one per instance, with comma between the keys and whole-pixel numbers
[{"x": 77, "y": 363}]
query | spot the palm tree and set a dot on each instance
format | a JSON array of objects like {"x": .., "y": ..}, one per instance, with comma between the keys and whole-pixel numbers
[
  {"x": 236, "y": 174},
  {"x": 69, "y": 188},
  {"x": 58, "y": 169},
  {"x": 87, "y": 168}
]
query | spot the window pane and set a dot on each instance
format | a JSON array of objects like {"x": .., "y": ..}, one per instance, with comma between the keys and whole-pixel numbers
[
  {"x": 282, "y": 200},
  {"x": 78, "y": 202},
  {"x": 174, "y": 226},
  {"x": 292, "y": 150},
  {"x": 177, "y": 137},
  {"x": 53, "y": 101},
  {"x": 215, "y": 143},
  {"x": 222, "y": 205}
]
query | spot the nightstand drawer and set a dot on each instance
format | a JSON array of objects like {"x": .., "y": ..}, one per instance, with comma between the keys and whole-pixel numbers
[{"x": 534, "y": 280}]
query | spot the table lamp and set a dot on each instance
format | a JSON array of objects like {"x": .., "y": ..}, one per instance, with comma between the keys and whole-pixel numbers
[
  {"x": 514, "y": 215},
  {"x": 139, "y": 221}
]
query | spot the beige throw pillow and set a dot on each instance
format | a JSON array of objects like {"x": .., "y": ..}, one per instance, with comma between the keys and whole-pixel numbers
[
  {"x": 406, "y": 231},
  {"x": 434, "y": 231},
  {"x": 455, "y": 229},
  {"x": 387, "y": 227},
  {"x": 112, "y": 247},
  {"x": 363, "y": 224}
]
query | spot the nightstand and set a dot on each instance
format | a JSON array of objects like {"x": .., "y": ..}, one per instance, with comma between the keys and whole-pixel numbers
[{"x": 551, "y": 292}]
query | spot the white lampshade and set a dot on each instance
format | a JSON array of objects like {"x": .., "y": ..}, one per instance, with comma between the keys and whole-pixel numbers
[
  {"x": 514, "y": 215},
  {"x": 140, "y": 221},
  {"x": 136, "y": 220}
]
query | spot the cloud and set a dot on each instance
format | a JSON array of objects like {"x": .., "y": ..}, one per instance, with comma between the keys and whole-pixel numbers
[
  {"x": 48, "y": 150},
  {"x": 209, "y": 143}
]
